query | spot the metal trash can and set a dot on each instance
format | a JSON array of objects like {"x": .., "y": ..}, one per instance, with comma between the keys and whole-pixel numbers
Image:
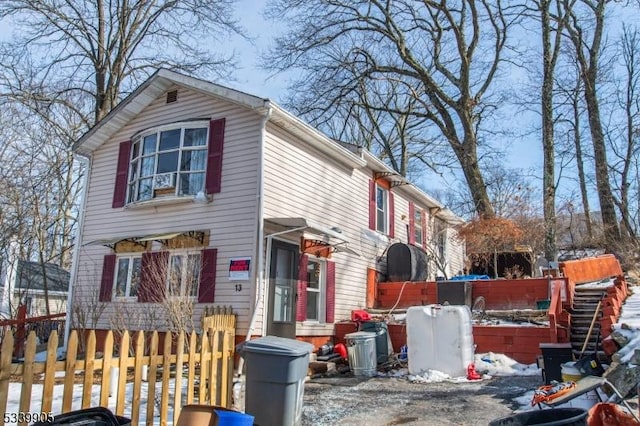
[
  {"x": 275, "y": 371},
  {"x": 361, "y": 349}
]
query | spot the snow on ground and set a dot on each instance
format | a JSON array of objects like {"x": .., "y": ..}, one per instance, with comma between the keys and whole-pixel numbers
[
  {"x": 36, "y": 398},
  {"x": 488, "y": 364}
]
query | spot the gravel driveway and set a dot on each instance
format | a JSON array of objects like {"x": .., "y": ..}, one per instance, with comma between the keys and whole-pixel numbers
[{"x": 379, "y": 401}]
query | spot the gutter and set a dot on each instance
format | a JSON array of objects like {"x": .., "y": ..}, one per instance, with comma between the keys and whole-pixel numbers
[
  {"x": 87, "y": 160},
  {"x": 266, "y": 110},
  {"x": 315, "y": 138}
]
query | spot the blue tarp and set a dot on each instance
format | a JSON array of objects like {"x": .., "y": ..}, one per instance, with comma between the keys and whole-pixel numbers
[{"x": 469, "y": 277}]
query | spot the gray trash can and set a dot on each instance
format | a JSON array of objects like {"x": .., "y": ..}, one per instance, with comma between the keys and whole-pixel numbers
[{"x": 275, "y": 371}]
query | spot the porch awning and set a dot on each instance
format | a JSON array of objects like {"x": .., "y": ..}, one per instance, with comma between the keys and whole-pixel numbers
[
  {"x": 154, "y": 237},
  {"x": 110, "y": 242},
  {"x": 334, "y": 236}
]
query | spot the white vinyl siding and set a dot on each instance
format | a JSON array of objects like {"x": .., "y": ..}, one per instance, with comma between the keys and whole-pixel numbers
[
  {"x": 230, "y": 218},
  {"x": 301, "y": 182}
]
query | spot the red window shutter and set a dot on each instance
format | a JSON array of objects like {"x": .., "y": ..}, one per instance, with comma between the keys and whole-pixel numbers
[
  {"x": 412, "y": 223},
  {"x": 331, "y": 291},
  {"x": 214, "y": 156},
  {"x": 122, "y": 173},
  {"x": 108, "y": 272},
  {"x": 424, "y": 229},
  {"x": 392, "y": 214},
  {"x": 153, "y": 278},
  {"x": 372, "y": 204},
  {"x": 207, "y": 290},
  {"x": 301, "y": 304}
]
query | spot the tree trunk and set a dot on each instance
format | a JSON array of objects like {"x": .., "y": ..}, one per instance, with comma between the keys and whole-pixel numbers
[
  {"x": 605, "y": 196},
  {"x": 467, "y": 154},
  {"x": 577, "y": 135},
  {"x": 548, "y": 145}
]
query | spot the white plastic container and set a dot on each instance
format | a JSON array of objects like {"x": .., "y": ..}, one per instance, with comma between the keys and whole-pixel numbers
[{"x": 440, "y": 337}]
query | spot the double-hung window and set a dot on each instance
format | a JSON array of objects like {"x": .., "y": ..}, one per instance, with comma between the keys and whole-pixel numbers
[
  {"x": 382, "y": 209},
  {"x": 128, "y": 276},
  {"x": 417, "y": 227},
  {"x": 184, "y": 274},
  {"x": 441, "y": 240},
  {"x": 169, "y": 160},
  {"x": 316, "y": 290}
]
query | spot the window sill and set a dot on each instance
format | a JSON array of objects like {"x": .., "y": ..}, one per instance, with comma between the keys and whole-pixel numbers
[
  {"x": 160, "y": 201},
  {"x": 125, "y": 299}
]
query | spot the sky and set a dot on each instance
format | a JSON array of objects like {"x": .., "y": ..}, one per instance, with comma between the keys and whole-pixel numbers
[{"x": 524, "y": 152}]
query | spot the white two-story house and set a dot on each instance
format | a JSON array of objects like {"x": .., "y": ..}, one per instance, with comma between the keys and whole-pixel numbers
[{"x": 202, "y": 193}]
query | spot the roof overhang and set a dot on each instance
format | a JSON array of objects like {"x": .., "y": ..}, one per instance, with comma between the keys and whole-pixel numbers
[
  {"x": 314, "y": 137},
  {"x": 332, "y": 236},
  {"x": 163, "y": 79},
  {"x": 157, "y": 84}
]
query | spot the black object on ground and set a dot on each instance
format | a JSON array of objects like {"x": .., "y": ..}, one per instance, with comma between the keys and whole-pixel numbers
[
  {"x": 95, "y": 416},
  {"x": 551, "y": 417}
]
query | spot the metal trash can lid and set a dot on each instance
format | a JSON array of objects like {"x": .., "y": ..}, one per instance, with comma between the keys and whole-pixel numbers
[
  {"x": 277, "y": 346},
  {"x": 360, "y": 335}
]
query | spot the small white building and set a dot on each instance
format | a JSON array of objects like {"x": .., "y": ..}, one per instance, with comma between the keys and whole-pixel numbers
[
  {"x": 202, "y": 192},
  {"x": 33, "y": 285}
]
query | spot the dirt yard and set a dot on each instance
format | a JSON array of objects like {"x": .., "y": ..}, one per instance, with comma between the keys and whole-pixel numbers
[{"x": 385, "y": 401}]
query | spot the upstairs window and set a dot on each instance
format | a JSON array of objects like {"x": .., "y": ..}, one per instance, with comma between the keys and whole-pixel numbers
[
  {"x": 382, "y": 209},
  {"x": 417, "y": 227},
  {"x": 168, "y": 161},
  {"x": 441, "y": 239}
]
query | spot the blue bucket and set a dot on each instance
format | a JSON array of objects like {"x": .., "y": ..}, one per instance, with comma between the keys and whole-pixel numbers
[{"x": 233, "y": 418}]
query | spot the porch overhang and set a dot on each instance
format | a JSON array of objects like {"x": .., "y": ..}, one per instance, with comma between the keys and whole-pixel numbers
[
  {"x": 112, "y": 241},
  {"x": 332, "y": 236}
]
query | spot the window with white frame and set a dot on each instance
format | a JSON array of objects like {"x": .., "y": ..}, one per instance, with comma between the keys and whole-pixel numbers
[
  {"x": 441, "y": 239},
  {"x": 417, "y": 226},
  {"x": 128, "y": 276},
  {"x": 168, "y": 160},
  {"x": 184, "y": 274},
  {"x": 316, "y": 289},
  {"x": 382, "y": 209}
]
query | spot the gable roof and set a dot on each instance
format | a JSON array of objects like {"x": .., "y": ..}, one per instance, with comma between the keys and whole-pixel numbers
[
  {"x": 30, "y": 276},
  {"x": 164, "y": 79}
]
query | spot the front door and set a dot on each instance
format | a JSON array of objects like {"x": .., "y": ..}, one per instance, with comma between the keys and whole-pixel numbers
[{"x": 283, "y": 279}]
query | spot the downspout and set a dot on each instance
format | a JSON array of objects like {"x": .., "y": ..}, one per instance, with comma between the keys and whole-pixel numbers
[
  {"x": 76, "y": 250},
  {"x": 260, "y": 280}
]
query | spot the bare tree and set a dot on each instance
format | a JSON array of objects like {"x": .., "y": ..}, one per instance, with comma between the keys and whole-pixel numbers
[
  {"x": 384, "y": 116},
  {"x": 449, "y": 53},
  {"x": 585, "y": 15},
  {"x": 625, "y": 147},
  {"x": 552, "y": 20},
  {"x": 66, "y": 66},
  {"x": 100, "y": 48}
]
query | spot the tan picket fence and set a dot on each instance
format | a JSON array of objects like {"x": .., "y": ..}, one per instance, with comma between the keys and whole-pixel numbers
[{"x": 136, "y": 376}]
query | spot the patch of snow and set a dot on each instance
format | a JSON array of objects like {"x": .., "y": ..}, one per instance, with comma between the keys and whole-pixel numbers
[
  {"x": 501, "y": 365},
  {"x": 597, "y": 285}
]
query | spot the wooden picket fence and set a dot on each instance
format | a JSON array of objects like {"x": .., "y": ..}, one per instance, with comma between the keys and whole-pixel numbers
[{"x": 188, "y": 368}]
